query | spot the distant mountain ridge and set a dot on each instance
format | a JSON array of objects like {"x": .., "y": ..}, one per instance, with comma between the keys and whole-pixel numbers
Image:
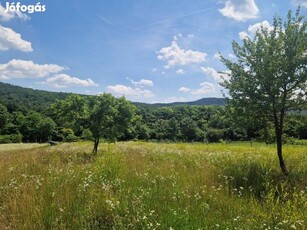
[
  {"x": 17, "y": 98},
  {"x": 202, "y": 101}
]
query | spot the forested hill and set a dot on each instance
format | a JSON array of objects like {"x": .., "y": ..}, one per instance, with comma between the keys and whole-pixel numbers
[
  {"x": 203, "y": 101},
  {"x": 17, "y": 98}
]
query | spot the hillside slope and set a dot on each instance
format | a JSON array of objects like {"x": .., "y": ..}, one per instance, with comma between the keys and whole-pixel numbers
[{"x": 17, "y": 98}]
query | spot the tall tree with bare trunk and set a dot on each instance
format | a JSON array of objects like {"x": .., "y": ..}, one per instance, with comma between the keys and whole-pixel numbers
[{"x": 269, "y": 75}]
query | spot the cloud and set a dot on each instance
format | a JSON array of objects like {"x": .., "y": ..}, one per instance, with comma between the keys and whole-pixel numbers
[
  {"x": 142, "y": 83},
  {"x": 122, "y": 90},
  {"x": 9, "y": 39},
  {"x": 205, "y": 88},
  {"x": 244, "y": 35},
  {"x": 64, "y": 81},
  {"x": 214, "y": 74},
  {"x": 27, "y": 69},
  {"x": 183, "y": 38},
  {"x": 10, "y": 15},
  {"x": 174, "y": 55},
  {"x": 240, "y": 10},
  {"x": 106, "y": 20},
  {"x": 303, "y": 3},
  {"x": 184, "y": 89},
  {"x": 177, "y": 36},
  {"x": 180, "y": 71},
  {"x": 252, "y": 29}
]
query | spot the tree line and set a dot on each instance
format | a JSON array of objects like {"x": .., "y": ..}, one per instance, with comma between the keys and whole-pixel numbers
[{"x": 116, "y": 119}]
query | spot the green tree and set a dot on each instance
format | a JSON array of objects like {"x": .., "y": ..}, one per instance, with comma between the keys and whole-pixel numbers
[
  {"x": 29, "y": 126},
  {"x": 4, "y": 117},
  {"x": 47, "y": 129},
  {"x": 109, "y": 118},
  {"x": 36, "y": 128},
  {"x": 190, "y": 131},
  {"x": 71, "y": 113},
  {"x": 269, "y": 76}
]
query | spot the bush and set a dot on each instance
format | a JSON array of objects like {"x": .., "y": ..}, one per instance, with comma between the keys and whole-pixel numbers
[
  {"x": 70, "y": 138},
  {"x": 5, "y": 139},
  {"x": 13, "y": 138},
  {"x": 68, "y": 135},
  {"x": 16, "y": 138},
  {"x": 215, "y": 135},
  {"x": 87, "y": 135},
  {"x": 267, "y": 135}
]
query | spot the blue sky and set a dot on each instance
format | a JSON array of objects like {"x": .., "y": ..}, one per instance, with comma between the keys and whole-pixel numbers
[{"x": 149, "y": 51}]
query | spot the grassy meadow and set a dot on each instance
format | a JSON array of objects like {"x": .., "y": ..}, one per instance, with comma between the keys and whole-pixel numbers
[{"x": 136, "y": 185}]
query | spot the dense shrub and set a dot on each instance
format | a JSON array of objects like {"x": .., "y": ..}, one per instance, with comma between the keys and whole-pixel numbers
[
  {"x": 70, "y": 138},
  {"x": 215, "y": 135},
  {"x": 87, "y": 135},
  {"x": 13, "y": 138}
]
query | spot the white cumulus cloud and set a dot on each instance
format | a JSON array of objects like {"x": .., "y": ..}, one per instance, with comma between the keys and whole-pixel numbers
[
  {"x": 214, "y": 74},
  {"x": 174, "y": 55},
  {"x": 27, "y": 69},
  {"x": 142, "y": 83},
  {"x": 252, "y": 29},
  {"x": 184, "y": 89},
  {"x": 205, "y": 87},
  {"x": 9, "y": 39},
  {"x": 240, "y": 10},
  {"x": 10, "y": 15},
  {"x": 180, "y": 71},
  {"x": 123, "y": 90},
  {"x": 64, "y": 81}
]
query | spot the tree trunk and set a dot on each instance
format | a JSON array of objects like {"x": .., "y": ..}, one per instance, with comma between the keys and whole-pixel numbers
[
  {"x": 96, "y": 143},
  {"x": 279, "y": 131},
  {"x": 279, "y": 153}
]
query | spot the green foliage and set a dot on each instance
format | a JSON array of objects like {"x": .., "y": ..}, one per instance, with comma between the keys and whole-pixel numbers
[
  {"x": 71, "y": 113},
  {"x": 303, "y": 131},
  {"x": 68, "y": 135},
  {"x": 4, "y": 117},
  {"x": 215, "y": 135},
  {"x": 190, "y": 131},
  {"x": 268, "y": 77},
  {"x": 36, "y": 128},
  {"x": 109, "y": 118},
  {"x": 12, "y": 138},
  {"x": 21, "y": 99},
  {"x": 269, "y": 70},
  {"x": 87, "y": 135},
  {"x": 163, "y": 122},
  {"x": 267, "y": 134}
]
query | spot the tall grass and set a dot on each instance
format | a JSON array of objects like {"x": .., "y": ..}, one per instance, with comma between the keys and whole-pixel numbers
[{"x": 137, "y": 185}]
